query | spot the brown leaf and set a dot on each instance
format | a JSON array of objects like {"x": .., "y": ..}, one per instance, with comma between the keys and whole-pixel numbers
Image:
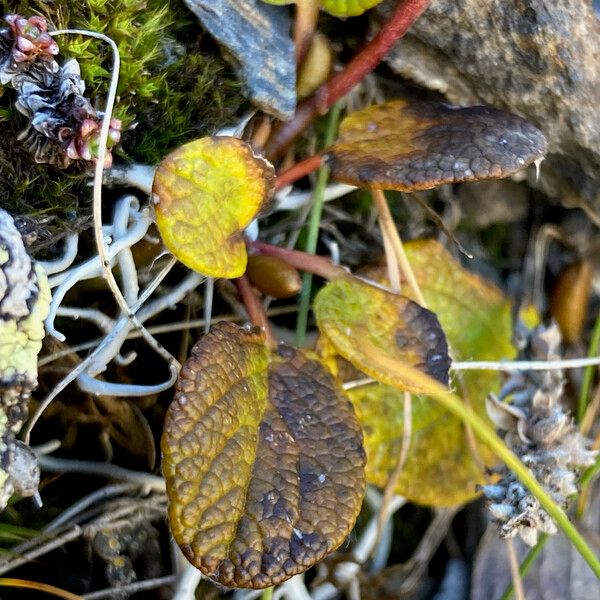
[
  {"x": 537, "y": 58},
  {"x": 263, "y": 460},
  {"x": 410, "y": 146}
]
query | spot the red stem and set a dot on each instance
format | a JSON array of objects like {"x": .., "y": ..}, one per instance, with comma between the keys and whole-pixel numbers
[
  {"x": 363, "y": 63},
  {"x": 317, "y": 265},
  {"x": 300, "y": 169},
  {"x": 255, "y": 309}
]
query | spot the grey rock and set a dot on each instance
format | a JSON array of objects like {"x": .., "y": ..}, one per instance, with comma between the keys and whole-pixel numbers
[
  {"x": 256, "y": 40},
  {"x": 537, "y": 58}
]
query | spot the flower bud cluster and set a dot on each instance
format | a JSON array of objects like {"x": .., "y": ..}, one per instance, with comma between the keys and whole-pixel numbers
[
  {"x": 63, "y": 125},
  {"x": 530, "y": 416}
]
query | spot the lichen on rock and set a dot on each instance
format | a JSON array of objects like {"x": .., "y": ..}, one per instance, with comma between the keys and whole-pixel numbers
[{"x": 24, "y": 301}]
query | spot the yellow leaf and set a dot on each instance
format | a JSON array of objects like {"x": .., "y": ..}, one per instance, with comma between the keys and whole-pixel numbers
[
  {"x": 263, "y": 460},
  {"x": 207, "y": 192},
  {"x": 376, "y": 330},
  {"x": 348, "y": 8},
  {"x": 339, "y": 8},
  {"x": 441, "y": 469}
]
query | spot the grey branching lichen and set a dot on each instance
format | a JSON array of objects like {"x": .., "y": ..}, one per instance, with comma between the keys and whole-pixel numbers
[
  {"x": 24, "y": 300},
  {"x": 63, "y": 125},
  {"x": 535, "y": 426}
]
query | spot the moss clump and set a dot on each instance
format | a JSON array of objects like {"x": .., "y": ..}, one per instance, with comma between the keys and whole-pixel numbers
[{"x": 173, "y": 86}]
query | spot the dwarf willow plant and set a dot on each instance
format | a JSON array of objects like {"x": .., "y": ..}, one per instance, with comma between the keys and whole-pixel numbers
[{"x": 263, "y": 453}]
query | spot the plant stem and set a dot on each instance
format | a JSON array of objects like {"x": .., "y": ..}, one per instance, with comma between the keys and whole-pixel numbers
[
  {"x": 299, "y": 170},
  {"x": 388, "y": 225},
  {"x": 313, "y": 226},
  {"x": 318, "y": 265},
  {"x": 267, "y": 594},
  {"x": 588, "y": 374},
  {"x": 526, "y": 564},
  {"x": 305, "y": 23},
  {"x": 485, "y": 433},
  {"x": 390, "y": 486},
  {"x": 40, "y": 587},
  {"x": 363, "y": 63},
  {"x": 515, "y": 573},
  {"x": 256, "y": 312},
  {"x": 590, "y": 473}
]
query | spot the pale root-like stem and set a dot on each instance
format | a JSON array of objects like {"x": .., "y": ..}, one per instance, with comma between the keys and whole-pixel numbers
[
  {"x": 163, "y": 328},
  {"x": 390, "y": 486},
  {"x": 296, "y": 200},
  {"x": 515, "y": 575},
  {"x": 64, "y": 465},
  {"x": 66, "y": 260},
  {"x": 99, "y": 165},
  {"x": 108, "y": 348},
  {"x": 524, "y": 365},
  {"x": 391, "y": 232},
  {"x": 97, "y": 193},
  {"x": 132, "y": 588},
  {"x": 187, "y": 582}
]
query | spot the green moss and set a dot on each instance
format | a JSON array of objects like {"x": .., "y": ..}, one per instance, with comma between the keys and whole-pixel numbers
[{"x": 173, "y": 86}]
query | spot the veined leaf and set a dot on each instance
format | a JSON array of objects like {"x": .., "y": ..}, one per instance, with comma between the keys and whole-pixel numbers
[
  {"x": 441, "y": 469},
  {"x": 376, "y": 329},
  {"x": 263, "y": 459},
  {"x": 206, "y": 193},
  {"x": 409, "y": 146}
]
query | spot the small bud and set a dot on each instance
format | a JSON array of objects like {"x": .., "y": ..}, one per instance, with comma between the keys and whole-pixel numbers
[{"x": 273, "y": 276}]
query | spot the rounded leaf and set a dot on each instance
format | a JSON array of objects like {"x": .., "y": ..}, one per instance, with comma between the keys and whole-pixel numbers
[
  {"x": 441, "y": 469},
  {"x": 348, "y": 8},
  {"x": 370, "y": 326},
  {"x": 263, "y": 460},
  {"x": 409, "y": 146},
  {"x": 339, "y": 8},
  {"x": 206, "y": 193}
]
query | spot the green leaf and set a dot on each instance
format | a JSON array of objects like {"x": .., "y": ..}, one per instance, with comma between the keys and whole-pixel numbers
[{"x": 338, "y": 8}]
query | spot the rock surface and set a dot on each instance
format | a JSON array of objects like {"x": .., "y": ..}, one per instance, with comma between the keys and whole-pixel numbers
[{"x": 537, "y": 58}]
